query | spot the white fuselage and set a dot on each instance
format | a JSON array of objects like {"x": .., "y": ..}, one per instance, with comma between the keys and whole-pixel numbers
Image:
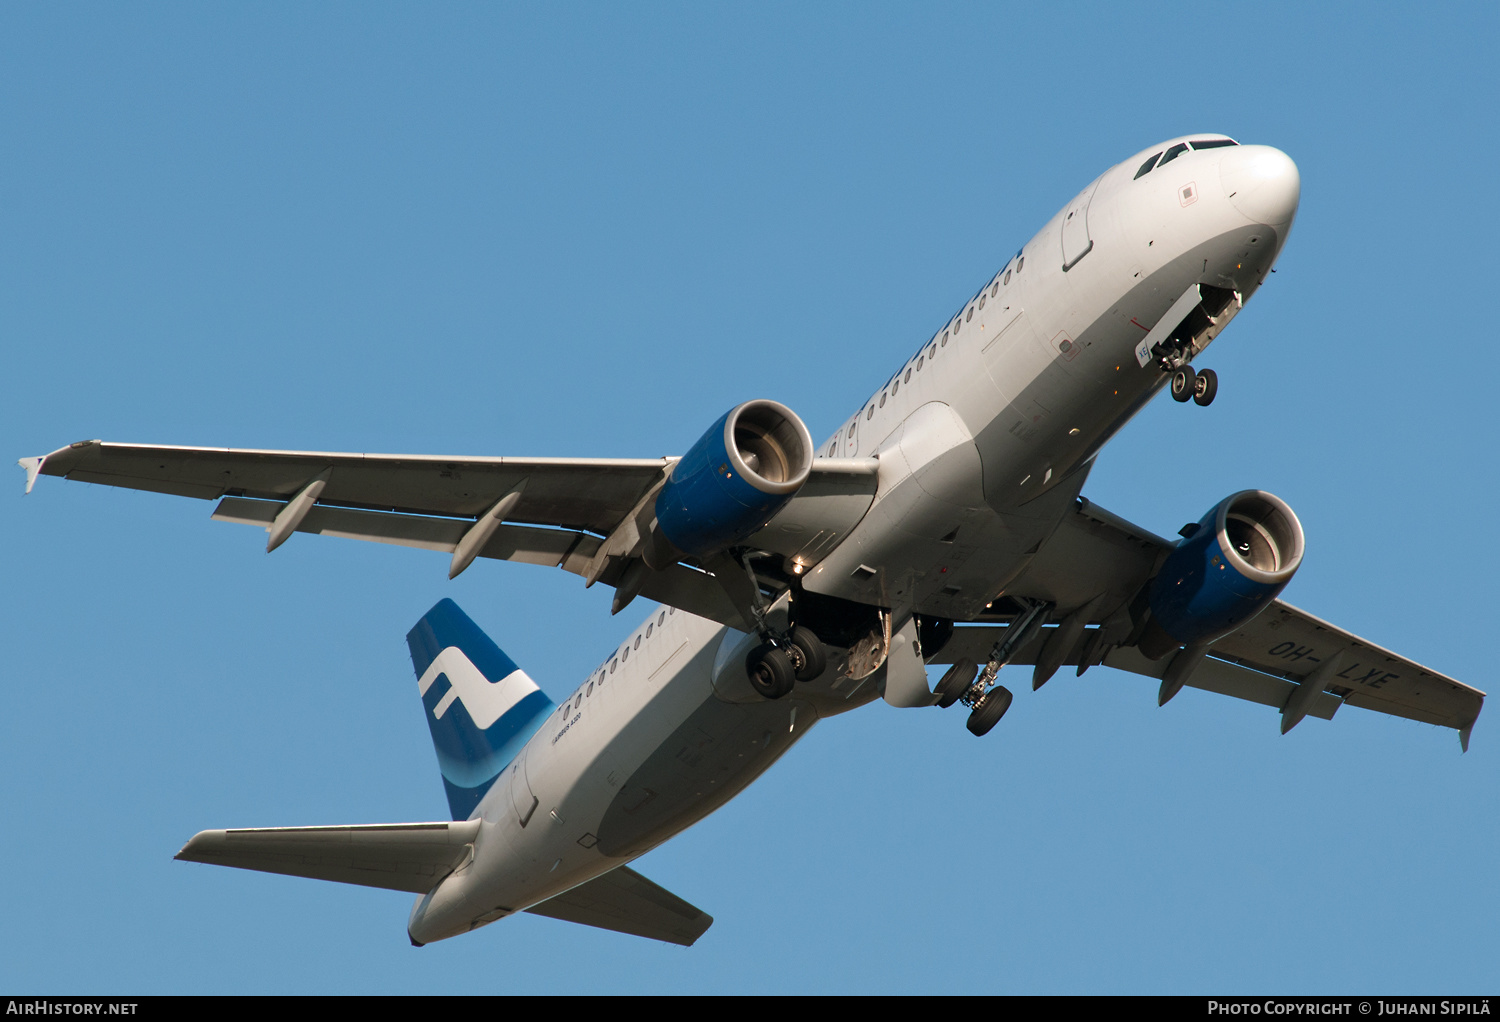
[{"x": 984, "y": 438}]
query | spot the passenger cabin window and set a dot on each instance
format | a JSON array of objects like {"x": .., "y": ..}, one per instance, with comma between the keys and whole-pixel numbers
[
  {"x": 932, "y": 351},
  {"x": 1172, "y": 153},
  {"x": 637, "y": 643},
  {"x": 1020, "y": 264},
  {"x": 590, "y": 689},
  {"x": 662, "y": 617},
  {"x": 882, "y": 400},
  {"x": 945, "y": 338},
  {"x": 1007, "y": 277},
  {"x": 1212, "y": 143},
  {"x": 920, "y": 360},
  {"x": 870, "y": 412},
  {"x": 907, "y": 377},
  {"x": 649, "y": 626},
  {"x": 994, "y": 290},
  {"x": 969, "y": 315},
  {"x": 1146, "y": 167}
]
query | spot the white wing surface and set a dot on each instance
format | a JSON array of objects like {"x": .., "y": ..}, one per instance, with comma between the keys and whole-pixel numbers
[
  {"x": 579, "y": 514},
  {"x": 1268, "y": 661}
]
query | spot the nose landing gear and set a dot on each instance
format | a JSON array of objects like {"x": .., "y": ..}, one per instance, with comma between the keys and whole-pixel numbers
[{"x": 1199, "y": 387}]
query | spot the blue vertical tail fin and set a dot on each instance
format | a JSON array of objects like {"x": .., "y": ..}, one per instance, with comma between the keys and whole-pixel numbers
[{"x": 481, "y": 707}]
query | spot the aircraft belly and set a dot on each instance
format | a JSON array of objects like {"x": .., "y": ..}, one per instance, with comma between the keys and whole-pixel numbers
[
  {"x": 708, "y": 759},
  {"x": 663, "y": 755}
]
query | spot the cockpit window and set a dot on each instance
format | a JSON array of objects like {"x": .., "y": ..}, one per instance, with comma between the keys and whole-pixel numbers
[
  {"x": 1212, "y": 143},
  {"x": 1172, "y": 153},
  {"x": 1146, "y": 167}
]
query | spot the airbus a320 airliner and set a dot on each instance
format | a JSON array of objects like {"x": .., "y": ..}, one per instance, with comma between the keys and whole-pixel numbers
[{"x": 941, "y": 524}]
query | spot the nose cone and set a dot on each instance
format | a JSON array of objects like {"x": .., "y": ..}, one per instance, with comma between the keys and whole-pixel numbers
[{"x": 1262, "y": 183}]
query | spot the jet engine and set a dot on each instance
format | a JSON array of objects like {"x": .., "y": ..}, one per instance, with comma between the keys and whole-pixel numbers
[
  {"x": 735, "y": 478},
  {"x": 1227, "y": 569}
]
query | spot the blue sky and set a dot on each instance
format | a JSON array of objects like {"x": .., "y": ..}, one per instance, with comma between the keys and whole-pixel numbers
[{"x": 589, "y": 230}]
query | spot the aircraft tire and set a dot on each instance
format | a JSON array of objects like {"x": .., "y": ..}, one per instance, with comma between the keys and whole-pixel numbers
[
  {"x": 811, "y": 652},
  {"x": 771, "y": 672},
  {"x": 955, "y": 682},
  {"x": 1205, "y": 387},
  {"x": 988, "y": 715},
  {"x": 1183, "y": 381}
]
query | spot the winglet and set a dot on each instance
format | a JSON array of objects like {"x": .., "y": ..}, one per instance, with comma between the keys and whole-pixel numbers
[
  {"x": 1468, "y": 729},
  {"x": 33, "y": 467}
]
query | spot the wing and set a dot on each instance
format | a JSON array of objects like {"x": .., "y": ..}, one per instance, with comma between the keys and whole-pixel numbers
[
  {"x": 585, "y": 515},
  {"x": 586, "y": 494},
  {"x": 1283, "y": 657}
]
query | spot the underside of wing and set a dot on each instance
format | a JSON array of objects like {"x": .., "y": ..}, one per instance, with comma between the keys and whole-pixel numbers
[
  {"x": 1273, "y": 661},
  {"x": 1089, "y": 579},
  {"x": 409, "y": 857},
  {"x": 591, "y": 517},
  {"x": 458, "y": 487}
]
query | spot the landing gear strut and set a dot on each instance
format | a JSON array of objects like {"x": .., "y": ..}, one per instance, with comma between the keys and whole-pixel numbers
[
  {"x": 988, "y": 704},
  {"x": 783, "y": 658}
]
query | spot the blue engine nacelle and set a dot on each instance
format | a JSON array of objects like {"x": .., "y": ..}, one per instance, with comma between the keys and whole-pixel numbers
[
  {"x": 735, "y": 478},
  {"x": 1227, "y": 570}
]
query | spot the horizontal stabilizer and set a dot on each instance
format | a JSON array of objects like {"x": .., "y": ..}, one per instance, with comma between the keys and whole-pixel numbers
[
  {"x": 626, "y": 902},
  {"x": 396, "y": 856}
]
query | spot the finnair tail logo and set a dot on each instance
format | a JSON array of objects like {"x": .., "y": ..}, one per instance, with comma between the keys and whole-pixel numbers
[{"x": 485, "y": 700}]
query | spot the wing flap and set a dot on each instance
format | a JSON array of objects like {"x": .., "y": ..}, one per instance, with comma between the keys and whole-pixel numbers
[
  {"x": 409, "y": 857},
  {"x": 1091, "y": 553},
  {"x": 1225, "y": 678},
  {"x": 1223, "y": 673},
  {"x": 675, "y": 586},
  {"x": 626, "y": 902}
]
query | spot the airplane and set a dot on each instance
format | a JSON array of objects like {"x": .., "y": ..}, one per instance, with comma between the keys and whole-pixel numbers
[{"x": 942, "y": 524}]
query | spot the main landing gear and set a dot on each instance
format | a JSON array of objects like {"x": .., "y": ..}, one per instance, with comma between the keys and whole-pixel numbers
[
  {"x": 776, "y": 665},
  {"x": 986, "y": 705},
  {"x": 1199, "y": 387}
]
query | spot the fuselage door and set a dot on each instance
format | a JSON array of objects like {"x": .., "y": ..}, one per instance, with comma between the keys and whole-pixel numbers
[
  {"x": 1076, "y": 242},
  {"x": 521, "y": 796}
]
